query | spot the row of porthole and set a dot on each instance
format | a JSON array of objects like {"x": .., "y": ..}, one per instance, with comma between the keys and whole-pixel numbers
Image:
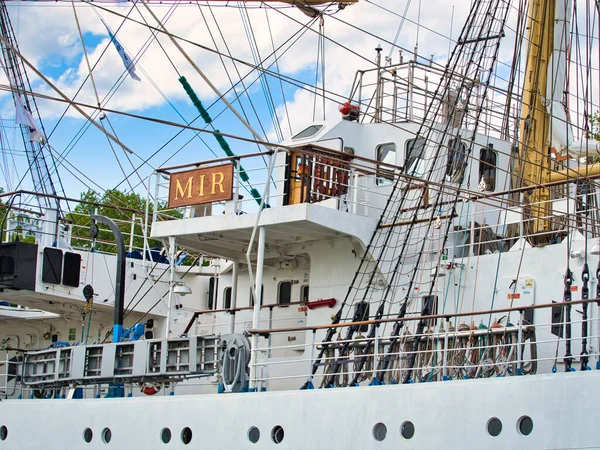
[
  {"x": 165, "y": 435},
  {"x": 277, "y": 435},
  {"x": 407, "y": 431},
  {"x": 494, "y": 428},
  {"x": 524, "y": 426}
]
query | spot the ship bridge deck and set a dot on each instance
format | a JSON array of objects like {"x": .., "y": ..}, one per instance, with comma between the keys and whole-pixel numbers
[
  {"x": 228, "y": 235},
  {"x": 308, "y": 194}
]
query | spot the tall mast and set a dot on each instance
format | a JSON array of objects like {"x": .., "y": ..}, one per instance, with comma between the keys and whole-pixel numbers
[
  {"x": 43, "y": 182},
  {"x": 534, "y": 163}
]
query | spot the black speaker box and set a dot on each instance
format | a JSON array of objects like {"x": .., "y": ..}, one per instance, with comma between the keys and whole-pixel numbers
[{"x": 18, "y": 265}]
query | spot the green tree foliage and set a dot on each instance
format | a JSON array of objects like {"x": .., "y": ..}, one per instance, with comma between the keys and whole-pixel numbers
[
  {"x": 595, "y": 126},
  {"x": 6, "y": 217},
  {"x": 112, "y": 204}
]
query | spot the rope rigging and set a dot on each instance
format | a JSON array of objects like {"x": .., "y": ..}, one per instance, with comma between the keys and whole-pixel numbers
[{"x": 474, "y": 58}]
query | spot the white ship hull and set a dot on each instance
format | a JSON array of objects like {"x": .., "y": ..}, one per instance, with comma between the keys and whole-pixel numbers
[{"x": 446, "y": 415}]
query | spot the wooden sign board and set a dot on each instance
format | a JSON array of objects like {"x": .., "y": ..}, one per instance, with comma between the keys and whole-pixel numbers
[{"x": 198, "y": 186}]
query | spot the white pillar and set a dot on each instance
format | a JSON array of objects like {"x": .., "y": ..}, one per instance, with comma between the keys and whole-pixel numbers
[
  {"x": 260, "y": 258},
  {"x": 171, "y": 285},
  {"x": 49, "y": 228}
]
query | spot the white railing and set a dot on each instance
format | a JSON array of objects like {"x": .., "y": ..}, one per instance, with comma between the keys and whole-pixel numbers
[
  {"x": 440, "y": 352},
  {"x": 404, "y": 92}
]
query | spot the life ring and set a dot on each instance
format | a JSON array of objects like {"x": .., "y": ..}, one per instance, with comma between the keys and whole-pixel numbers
[
  {"x": 150, "y": 388},
  {"x": 340, "y": 182},
  {"x": 319, "y": 181}
]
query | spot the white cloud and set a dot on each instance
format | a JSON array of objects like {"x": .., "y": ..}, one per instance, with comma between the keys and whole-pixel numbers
[{"x": 48, "y": 37}]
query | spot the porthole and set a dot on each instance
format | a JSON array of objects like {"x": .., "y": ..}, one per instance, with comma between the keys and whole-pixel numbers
[
  {"x": 253, "y": 434},
  {"x": 379, "y": 431},
  {"x": 165, "y": 435},
  {"x": 525, "y": 425},
  {"x": 106, "y": 435},
  {"x": 186, "y": 435},
  {"x": 277, "y": 434},
  {"x": 3, "y": 433},
  {"x": 88, "y": 435},
  {"x": 407, "y": 430},
  {"x": 494, "y": 426}
]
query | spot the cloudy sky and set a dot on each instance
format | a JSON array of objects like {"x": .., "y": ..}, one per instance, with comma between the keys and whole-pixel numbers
[{"x": 49, "y": 39}]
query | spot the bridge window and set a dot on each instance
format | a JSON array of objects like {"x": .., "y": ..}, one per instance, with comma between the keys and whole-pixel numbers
[
  {"x": 487, "y": 167},
  {"x": 308, "y": 132},
  {"x": 386, "y": 153},
  {"x": 457, "y": 161},
  {"x": 284, "y": 294},
  {"x": 415, "y": 150},
  {"x": 227, "y": 298}
]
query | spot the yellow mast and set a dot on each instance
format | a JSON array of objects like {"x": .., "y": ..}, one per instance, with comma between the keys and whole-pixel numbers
[{"x": 534, "y": 163}]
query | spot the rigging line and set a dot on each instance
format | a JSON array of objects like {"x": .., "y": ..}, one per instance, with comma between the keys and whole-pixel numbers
[
  {"x": 153, "y": 286},
  {"x": 117, "y": 158},
  {"x": 402, "y": 24},
  {"x": 293, "y": 39},
  {"x": 233, "y": 85},
  {"x": 85, "y": 55},
  {"x": 255, "y": 51},
  {"x": 363, "y": 31},
  {"x": 126, "y": 155},
  {"x": 84, "y": 81},
  {"x": 59, "y": 92},
  {"x": 451, "y": 29},
  {"x": 295, "y": 82},
  {"x": 438, "y": 197},
  {"x": 153, "y": 34},
  {"x": 430, "y": 184},
  {"x": 91, "y": 76},
  {"x": 204, "y": 77},
  {"x": 22, "y": 78},
  {"x": 109, "y": 95},
  {"x": 142, "y": 284},
  {"x": 322, "y": 23},
  {"x": 274, "y": 53},
  {"x": 431, "y": 30},
  {"x": 317, "y": 69},
  {"x": 170, "y": 123},
  {"x": 78, "y": 171},
  {"x": 165, "y": 294},
  {"x": 4, "y": 144},
  {"x": 106, "y": 99},
  {"x": 418, "y": 26}
]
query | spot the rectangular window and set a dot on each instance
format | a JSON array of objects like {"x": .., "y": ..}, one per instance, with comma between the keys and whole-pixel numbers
[
  {"x": 213, "y": 285},
  {"x": 415, "y": 150},
  {"x": 457, "y": 161},
  {"x": 304, "y": 293},
  {"x": 284, "y": 294},
  {"x": 487, "y": 167},
  {"x": 227, "y": 298},
  {"x": 262, "y": 296},
  {"x": 386, "y": 153}
]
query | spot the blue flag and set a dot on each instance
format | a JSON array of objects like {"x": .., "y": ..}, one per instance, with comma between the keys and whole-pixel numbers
[{"x": 127, "y": 61}]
